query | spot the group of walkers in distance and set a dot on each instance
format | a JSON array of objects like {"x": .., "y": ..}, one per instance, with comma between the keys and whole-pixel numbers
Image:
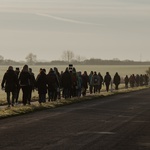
[{"x": 67, "y": 84}]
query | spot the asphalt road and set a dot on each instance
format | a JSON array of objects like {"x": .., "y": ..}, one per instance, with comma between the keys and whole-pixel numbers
[{"x": 120, "y": 122}]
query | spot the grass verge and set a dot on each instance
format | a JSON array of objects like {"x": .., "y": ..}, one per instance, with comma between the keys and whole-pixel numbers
[{"x": 20, "y": 110}]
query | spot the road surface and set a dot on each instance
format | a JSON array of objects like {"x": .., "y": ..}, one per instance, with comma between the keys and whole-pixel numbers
[{"x": 120, "y": 122}]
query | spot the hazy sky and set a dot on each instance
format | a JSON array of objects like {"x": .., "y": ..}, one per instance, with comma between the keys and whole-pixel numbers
[{"x": 103, "y": 29}]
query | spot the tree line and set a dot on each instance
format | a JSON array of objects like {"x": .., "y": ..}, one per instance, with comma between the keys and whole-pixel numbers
[{"x": 69, "y": 57}]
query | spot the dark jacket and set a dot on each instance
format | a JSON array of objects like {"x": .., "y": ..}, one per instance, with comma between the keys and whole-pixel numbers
[
  {"x": 66, "y": 80},
  {"x": 52, "y": 81},
  {"x": 41, "y": 83},
  {"x": 32, "y": 80},
  {"x": 85, "y": 81},
  {"x": 10, "y": 81},
  {"x": 116, "y": 80},
  {"x": 24, "y": 78},
  {"x": 107, "y": 78}
]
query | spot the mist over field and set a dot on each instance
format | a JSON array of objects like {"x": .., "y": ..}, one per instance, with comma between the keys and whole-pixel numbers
[{"x": 103, "y": 29}]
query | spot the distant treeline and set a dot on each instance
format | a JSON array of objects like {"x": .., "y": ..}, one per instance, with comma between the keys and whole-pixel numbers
[{"x": 91, "y": 61}]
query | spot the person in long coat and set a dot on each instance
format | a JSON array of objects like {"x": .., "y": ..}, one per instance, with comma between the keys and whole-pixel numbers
[
  {"x": 91, "y": 82},
  {"x": 100, "y": 82},
  {"x": 116, "y": 80},
  {"x": 95, "y": 81},
  {"x": 85, "y": 81},
  {"x": 107, "y": 81},
  {"x": 41, "y": 84},
  {"x": 126, "y": 81},
  {"x": 32, "y": 84},
  {"x": 66, "y": 81},
  {"x": 10, "y": 84},
  {"x": 24, "y": 81},
  {"x": 17, "y": 71},
  {"x": 53, "y": 84}
]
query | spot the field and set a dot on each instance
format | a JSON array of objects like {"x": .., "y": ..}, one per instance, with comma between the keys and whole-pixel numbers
[{"x": 122, "y": 70}]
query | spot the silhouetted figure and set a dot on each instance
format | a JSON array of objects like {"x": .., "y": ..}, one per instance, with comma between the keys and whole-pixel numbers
[
  {"x": 132, "y": 80},
  {"x": 74, "y": 89},
  {"x": 91, "y": 82},
  {"x": 31, "y": 85},
  {"x": 17, "y": 71},
  {"x": 116, "y": 80},
  {"x": 10, "y": 84},
  {"x": 107, "y": 80},
  {"x": 66, "y": 81},
  {"x": 79, "y": 83},
  {"x": 85, "y": 81},
  {"x": 137, "y": 80},
  {"x": 100, "y": 82},
  {"x": 52, "y": 85},
  {"x": 95, "y": 81},
  {"x": 58, "y": 94},
  {"x": 126, "y": 80},
  {"x": 24, "y": 81},
  {"x": 41, "y": 84}
]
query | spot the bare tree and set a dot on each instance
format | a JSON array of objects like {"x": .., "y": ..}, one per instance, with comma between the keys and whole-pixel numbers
[
  {"x": 31, "y": 58},
  {"x": 68, "y": 55},
  {"x": 80, "y": 58}
]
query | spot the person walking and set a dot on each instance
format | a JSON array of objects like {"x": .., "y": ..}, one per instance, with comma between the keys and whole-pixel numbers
[
  {"x": 116, "y": 80},
  {"x": 100, "y": 82},
  {"x": 95, "y": 81},
  {"x": 66, "y": 81},
  {"x": 10, "y": 84},
  {"x": 24, "y": 81},
  {"x": 53, "y": 84},
  {"x": 126, "y": 80},
  {"x": 107, "y": 80},
  {"x": 41, "y": 84},
  {"x": 85, "y": 81},
  {"x": 91, "y": 82},
  {"x": 32, "y": 85},
  {"x": 17, "y": 71},
  {"x": 74, "y": 89}
]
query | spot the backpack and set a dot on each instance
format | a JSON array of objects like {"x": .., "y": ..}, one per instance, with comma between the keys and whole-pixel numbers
[{"x": 95, "y": 80}]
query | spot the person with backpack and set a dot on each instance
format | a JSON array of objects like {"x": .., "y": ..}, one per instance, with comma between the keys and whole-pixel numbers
[{"x": 95, "y": 81}]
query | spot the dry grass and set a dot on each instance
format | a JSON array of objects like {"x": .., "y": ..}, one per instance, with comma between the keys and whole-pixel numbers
[{"x": 19, "y": 110}]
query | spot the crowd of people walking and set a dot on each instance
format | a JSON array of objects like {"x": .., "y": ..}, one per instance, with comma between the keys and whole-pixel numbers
[{"x": 65, "y": 84}]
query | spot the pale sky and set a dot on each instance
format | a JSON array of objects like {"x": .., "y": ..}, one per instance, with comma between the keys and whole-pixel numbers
[{"x": 104, "y": 29}]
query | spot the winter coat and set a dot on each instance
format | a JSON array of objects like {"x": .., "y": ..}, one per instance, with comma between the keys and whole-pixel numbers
[
  {"x": 52, "y": 81},
  {"x": 66, "y": 80},
  {"x": 10, "y": 81},
  {"x": 24, "y": 78},
  {"x": 95, "y": 79},
  {"x": 41, "y": 83},
  {"x": 107, "y": 79},
  {"x": 85, "y": 81},
  {"x": 116, "y": 80}
]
